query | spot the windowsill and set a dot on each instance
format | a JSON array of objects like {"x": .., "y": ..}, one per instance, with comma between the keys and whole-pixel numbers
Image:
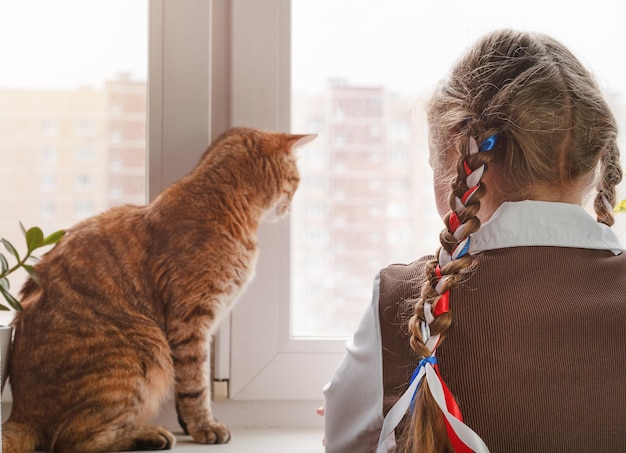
[
  {"x": 268, "y": 440},
  {"x": 271, "y": 440},
  {"x": 246, "y": 439}
]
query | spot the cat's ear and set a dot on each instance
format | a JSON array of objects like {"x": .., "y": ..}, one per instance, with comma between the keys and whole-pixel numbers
[{"x": 296, "y": 141}]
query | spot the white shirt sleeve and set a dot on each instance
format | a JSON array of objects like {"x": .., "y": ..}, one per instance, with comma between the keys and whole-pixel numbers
[{"x": 354, "y": 397}]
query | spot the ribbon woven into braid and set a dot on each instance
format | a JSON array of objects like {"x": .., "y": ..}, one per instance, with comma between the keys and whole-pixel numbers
[{"x": 462, "y": 438}]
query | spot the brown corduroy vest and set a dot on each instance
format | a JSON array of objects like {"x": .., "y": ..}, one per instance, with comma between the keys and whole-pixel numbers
[{"x": 536, "y": 355}]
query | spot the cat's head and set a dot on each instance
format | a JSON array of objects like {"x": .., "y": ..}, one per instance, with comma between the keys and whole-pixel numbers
[
  {"x": 281, "y": 147},
  {"x": 265, "y": 166},
  {"x": 284, "y": 144}
]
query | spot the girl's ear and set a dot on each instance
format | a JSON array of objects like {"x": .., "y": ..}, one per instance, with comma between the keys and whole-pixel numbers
[{"x": 296, "y": 141}]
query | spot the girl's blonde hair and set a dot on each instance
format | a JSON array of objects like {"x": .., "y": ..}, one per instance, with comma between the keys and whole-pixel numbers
[{"x": 552, "y": 129}]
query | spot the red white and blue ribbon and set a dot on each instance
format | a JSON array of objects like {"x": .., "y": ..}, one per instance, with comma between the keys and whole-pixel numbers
[{"x": 463, "y": 439}]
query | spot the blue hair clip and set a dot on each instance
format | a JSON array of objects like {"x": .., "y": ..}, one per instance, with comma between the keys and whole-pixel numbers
[{"x": 488, "y": 144}]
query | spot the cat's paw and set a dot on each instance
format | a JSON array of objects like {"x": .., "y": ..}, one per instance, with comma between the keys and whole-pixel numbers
[
  {"x": 154, "y": 438},
  {"x": 213, "y": 433}
]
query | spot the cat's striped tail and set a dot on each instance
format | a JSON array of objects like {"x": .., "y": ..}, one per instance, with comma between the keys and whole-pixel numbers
[{"x": 18, "y": 438}]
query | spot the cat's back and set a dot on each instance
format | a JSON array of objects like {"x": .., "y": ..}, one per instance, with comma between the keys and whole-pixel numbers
[
  {"x": 102, "y": 233},
  {"x": 98, "y": 259}
]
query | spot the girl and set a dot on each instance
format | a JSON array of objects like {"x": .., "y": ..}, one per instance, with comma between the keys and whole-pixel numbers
[{"x": 511, "y": 337}]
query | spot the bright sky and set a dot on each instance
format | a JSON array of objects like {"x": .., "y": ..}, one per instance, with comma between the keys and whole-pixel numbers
[
  {"x": 410, "y": 44},
  {"x": 69, "y": 43}
]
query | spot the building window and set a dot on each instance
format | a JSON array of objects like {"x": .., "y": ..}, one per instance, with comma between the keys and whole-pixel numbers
[
  {"x": 49, "y": 127},
  {"x": 84, "y": 154},
  {"x": 116, "y": 137},
  {"x": 83, "y": 182},
  {"x": 48, "y": 209},
  {"x": 84, "y": 128},
  {"x": 49, "y": 154},
  {"x": 48, "y": 182},
  {"x": 84, "y": 208}
]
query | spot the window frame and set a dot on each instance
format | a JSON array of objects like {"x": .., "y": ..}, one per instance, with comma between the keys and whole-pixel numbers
[
  {"x": 275, "y": 366},
  {"x": 240, "y": 54}
]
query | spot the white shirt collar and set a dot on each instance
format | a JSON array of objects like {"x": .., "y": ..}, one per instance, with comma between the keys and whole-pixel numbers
[{"x": 542, "y": 223}]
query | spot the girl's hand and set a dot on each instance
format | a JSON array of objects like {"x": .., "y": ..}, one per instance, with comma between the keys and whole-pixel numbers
[{"x": 320, "y": 411}]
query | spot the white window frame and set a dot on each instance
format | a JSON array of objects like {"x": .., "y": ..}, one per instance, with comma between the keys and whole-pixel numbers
[
  {"x": 178, "y": 89},
  {"x": 216, "y": 64},
  {"x": 266, "y": 362}
]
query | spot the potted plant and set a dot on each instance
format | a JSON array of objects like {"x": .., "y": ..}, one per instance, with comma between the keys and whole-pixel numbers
[{"x": 35, "y": 240}]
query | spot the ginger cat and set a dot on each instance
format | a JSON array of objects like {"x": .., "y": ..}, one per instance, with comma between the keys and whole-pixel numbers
[{"x": 128, "y": 299}]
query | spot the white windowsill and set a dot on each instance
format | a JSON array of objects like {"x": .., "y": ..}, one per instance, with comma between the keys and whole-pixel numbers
[
  {"x": 270, "y": 440},
  {"x": 246, "y": 439},
  {"x": 292, "y": 440}
]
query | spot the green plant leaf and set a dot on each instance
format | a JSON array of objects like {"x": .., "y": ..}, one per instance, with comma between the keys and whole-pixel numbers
[
  {"x": 4, "y": 308},
  {"x": 32, "y": 272},
  {"x": 10, "y": 248},
  {"x": 53, "y": 238},
  {"x": 4, "y": 264},
  {"x": 4, "y": 283},
  {"x": 621, "y": 207},
  {"x": 13, "y": 302},
  {"x": 34, "y": 238}
]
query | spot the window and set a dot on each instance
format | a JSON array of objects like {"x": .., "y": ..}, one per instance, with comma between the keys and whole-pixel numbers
[
  {"x": 54, "y": 151},
  {"x": 361, "y": 84},
  {"x": 368, "y": 196},
  {"x": 372, "y": 102},
  {"x": 116, "y": 137},
  {"x": 48, "y": 154},
  {"x": 84, "y": 128},
  {"x": 48, "y": 182},
  {"x": 178, "y": 109},
  {"x": 83, "y": 208},
  {"x": 48, "y": 209},
  {"x": 49, "y": 127},
  {"x": 83, "y": 182},
  {"x": 84, "y": 154}
]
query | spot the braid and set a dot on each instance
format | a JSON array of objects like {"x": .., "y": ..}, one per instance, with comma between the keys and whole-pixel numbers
[
  {"x": 432, "y": 316},
  {"x": 610, "y": 177}
]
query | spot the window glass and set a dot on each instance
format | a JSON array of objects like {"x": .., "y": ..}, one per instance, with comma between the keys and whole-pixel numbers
[
  {"x": 72, "y": 77},
  {"x": 362, "y": 71}
]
